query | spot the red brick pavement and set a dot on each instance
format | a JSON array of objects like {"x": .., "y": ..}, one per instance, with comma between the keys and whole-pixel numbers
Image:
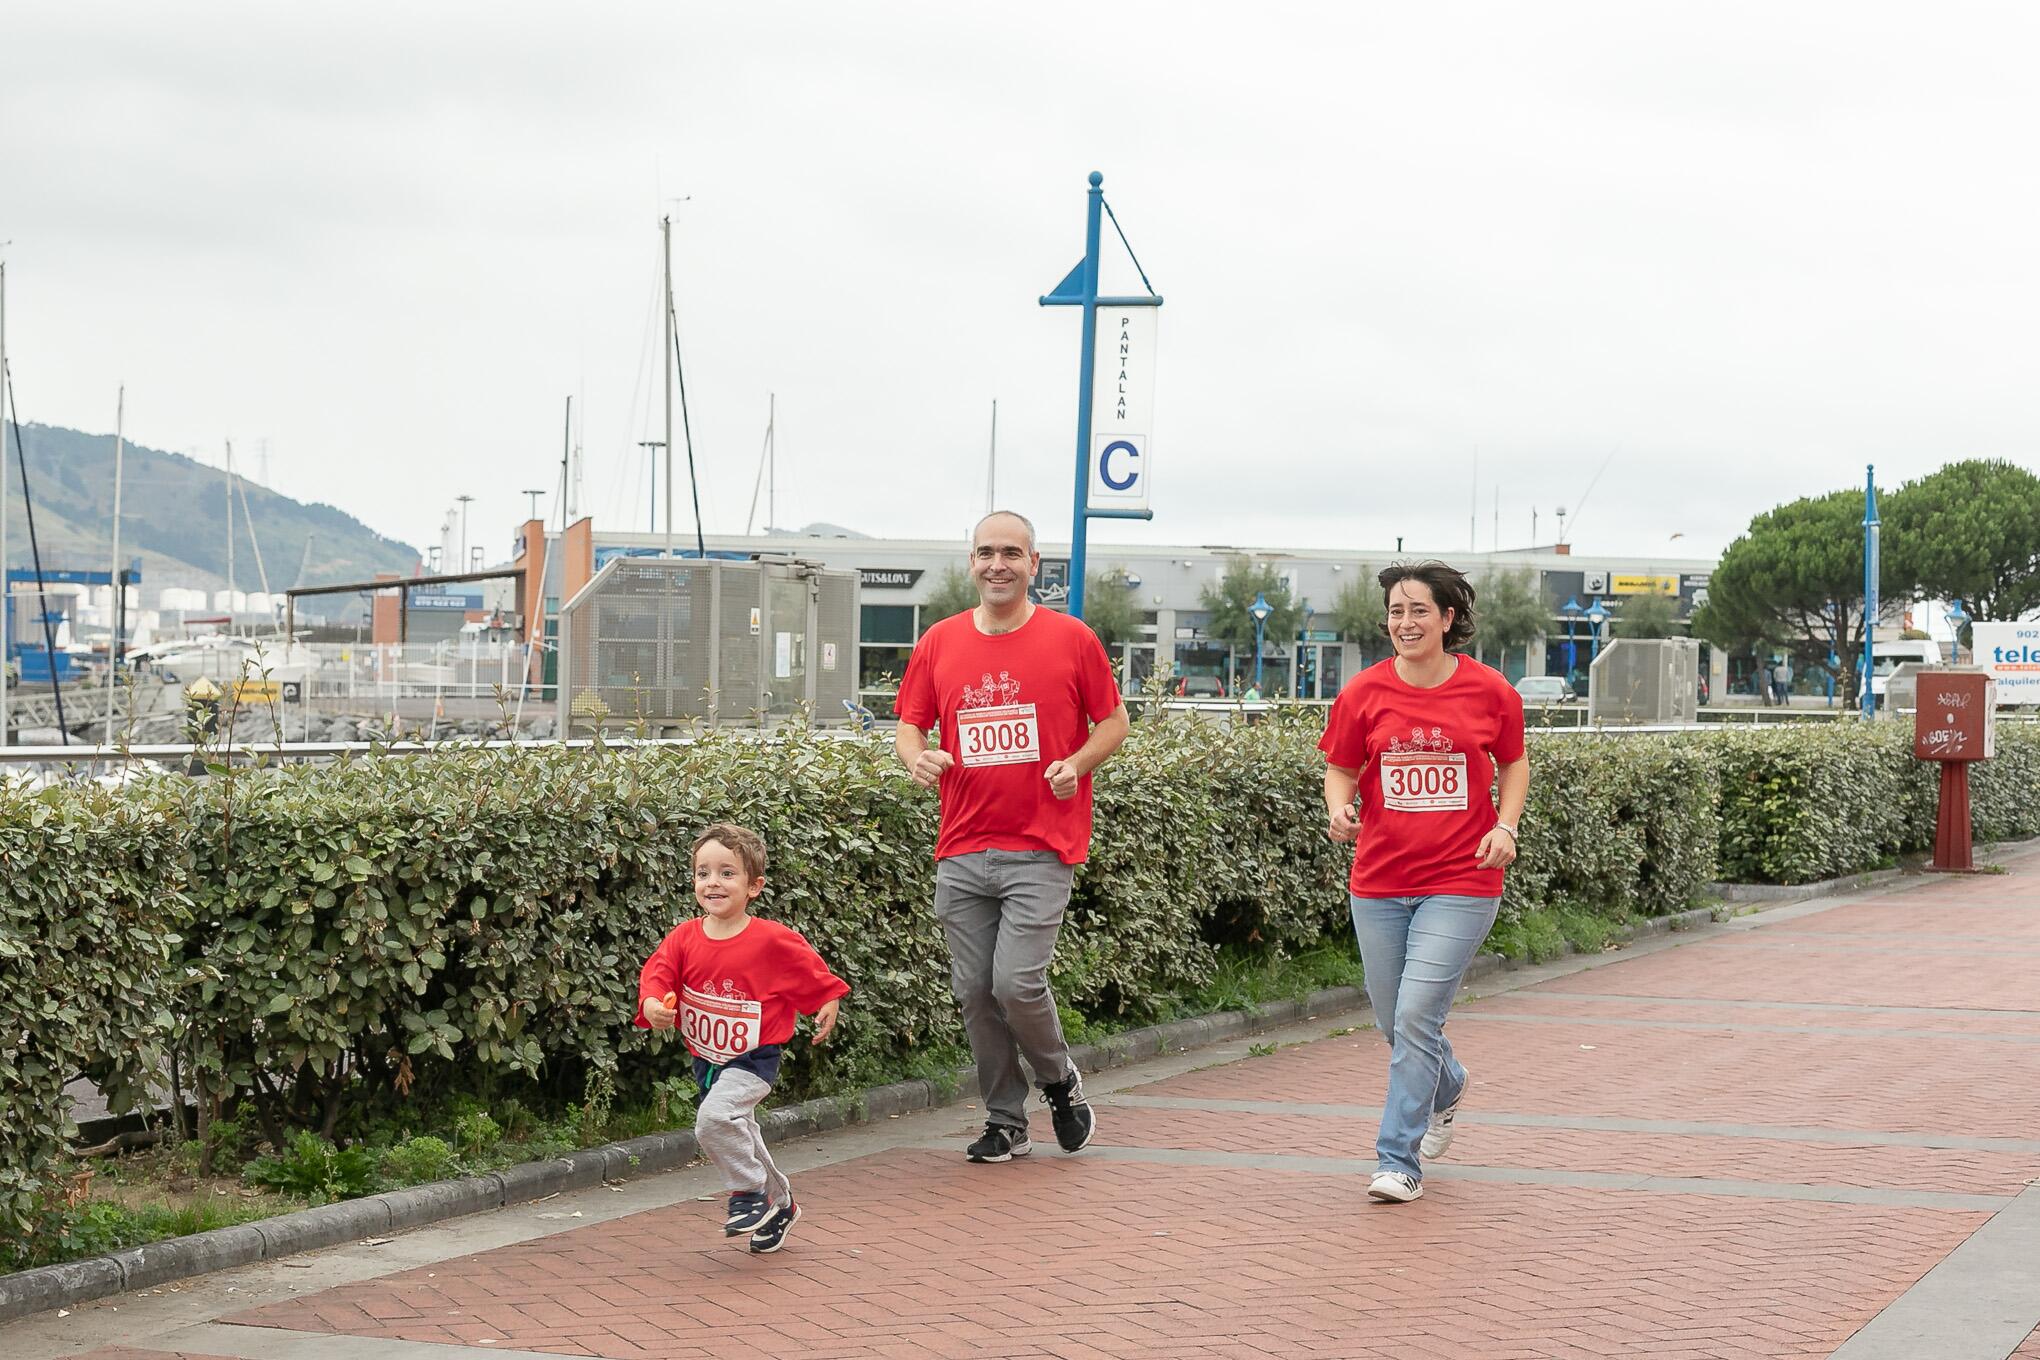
[
  {"x": 1703, "y": 1073},
  {"x": 2029, "y": 1347},
  {"x": 912, "y": 1252},
  {"x": 1960, "y": 1171},
  {"x": 131, "y": 1353}
]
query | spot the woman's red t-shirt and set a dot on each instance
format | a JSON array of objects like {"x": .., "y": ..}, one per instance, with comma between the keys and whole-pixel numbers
[{"x": 1426, "y": 759}]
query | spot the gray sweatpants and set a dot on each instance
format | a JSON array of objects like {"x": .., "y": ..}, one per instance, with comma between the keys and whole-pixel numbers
[
  {"x": 726, "y": 1126},
  {"x": 1002, "y": 911}
]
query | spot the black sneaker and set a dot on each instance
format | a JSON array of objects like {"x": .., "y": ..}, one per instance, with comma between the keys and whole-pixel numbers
[
  {"x": 747, "y": 1210},
  {"x": 1074, "y": 1122},
  {"x": 779, "y": 1221},
  {"x": 999, "y": 1143}
]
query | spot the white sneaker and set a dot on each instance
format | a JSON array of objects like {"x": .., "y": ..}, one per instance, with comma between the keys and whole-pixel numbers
[
  {"x": 1393, "y": 1187},
  {"x": 1438, "y": 1136}
]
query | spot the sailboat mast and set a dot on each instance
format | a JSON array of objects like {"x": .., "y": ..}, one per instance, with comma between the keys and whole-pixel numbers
[
  {"x": 666, "y": 247},
  {"x": 119, "y": 601},
  {"x": 771, "y": 458},
  {"x": 992, "y": 464},
  {"x": 230, "y": 537}
]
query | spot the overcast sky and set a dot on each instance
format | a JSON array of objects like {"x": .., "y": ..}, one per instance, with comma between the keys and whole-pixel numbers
[{"x": 1730, "y": 252}]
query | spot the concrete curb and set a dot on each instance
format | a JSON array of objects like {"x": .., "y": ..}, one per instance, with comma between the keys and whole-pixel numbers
[
  {"x": 1776, "y": 893},
  {"x": 178, "y": 1258}
]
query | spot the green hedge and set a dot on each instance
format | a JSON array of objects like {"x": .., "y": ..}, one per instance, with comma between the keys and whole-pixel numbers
[
  {"x": 1811, "y": 802},
  {"x": 470, "y": 924},
  {"x": 91, "y": 901}
]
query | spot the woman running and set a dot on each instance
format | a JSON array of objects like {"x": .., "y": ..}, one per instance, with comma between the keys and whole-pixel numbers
[{"x": 1416, "y": 748}]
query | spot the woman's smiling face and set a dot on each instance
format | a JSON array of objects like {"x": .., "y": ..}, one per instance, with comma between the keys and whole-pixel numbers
[{"x": 1416, "y": 625}]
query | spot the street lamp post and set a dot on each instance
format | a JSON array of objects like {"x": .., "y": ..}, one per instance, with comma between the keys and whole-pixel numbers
[
  {"x": 463, "y": 526},
  {"x": 1597, "y": 614},
  {"x": 1958, "y": 618},
  {"x": 1260, "y": 609},
  {"x": 1571, "y": 610},
  {"x": 1303, "y": 646},
  {"x": 653, "y": 494}
]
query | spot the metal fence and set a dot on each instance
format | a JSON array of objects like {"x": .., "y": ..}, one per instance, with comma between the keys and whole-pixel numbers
[{"x": 455, "y": 668}]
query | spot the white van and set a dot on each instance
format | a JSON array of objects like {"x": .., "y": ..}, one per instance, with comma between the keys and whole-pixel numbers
[{"x": 1886, "y": 657}]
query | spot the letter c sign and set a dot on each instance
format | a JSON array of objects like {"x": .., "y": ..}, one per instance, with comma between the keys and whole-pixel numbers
[
  {"x": 1113, "y": 483},
  {"x": 1119, "y": 467}
]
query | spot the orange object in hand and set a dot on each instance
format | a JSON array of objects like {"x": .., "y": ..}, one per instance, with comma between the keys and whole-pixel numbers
[{"x": 671, "y": 1001}]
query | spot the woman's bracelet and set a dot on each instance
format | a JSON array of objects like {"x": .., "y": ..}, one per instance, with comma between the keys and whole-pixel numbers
[{"x": 1504, "y": 826}]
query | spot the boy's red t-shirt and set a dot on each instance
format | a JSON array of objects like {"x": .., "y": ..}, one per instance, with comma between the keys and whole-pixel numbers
[
  {"x": 738, "y": 994},
  {"x": 1426, "y": 759},
  {"x": 1008, "y": 705}
]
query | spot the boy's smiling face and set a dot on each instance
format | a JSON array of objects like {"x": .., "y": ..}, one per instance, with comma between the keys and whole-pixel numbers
[{"x": 722, "y": 884}]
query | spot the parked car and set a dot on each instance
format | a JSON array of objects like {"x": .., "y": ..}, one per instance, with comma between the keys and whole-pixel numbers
[
  {"x": 1545, "y": 689},
  {"x": 1200, "y": 687}
]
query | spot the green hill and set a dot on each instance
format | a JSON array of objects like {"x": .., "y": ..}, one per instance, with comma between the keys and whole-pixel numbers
[{"x": 174, "y": 517}]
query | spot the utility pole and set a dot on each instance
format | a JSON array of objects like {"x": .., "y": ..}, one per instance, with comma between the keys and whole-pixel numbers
[
  {"x": 666, "y": 243},
  {"x": 463, "y": 499}
]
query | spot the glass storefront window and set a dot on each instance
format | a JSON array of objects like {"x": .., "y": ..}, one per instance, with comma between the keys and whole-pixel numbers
[{"x": 886, "y": 623}]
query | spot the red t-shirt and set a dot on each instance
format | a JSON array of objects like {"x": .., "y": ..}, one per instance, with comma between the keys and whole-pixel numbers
[
  {"x": 1426, "y": 759},
  {"x": 1008, "y": 705},
  {"x": 738, "y": 994}
]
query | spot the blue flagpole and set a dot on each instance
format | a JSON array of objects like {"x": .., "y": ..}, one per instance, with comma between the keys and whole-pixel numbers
[
  {"x": 1871, "y": 533},
  {"x": 1079, "y": 526}
]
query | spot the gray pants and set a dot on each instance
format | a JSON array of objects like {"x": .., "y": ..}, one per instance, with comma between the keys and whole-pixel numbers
[
  {"x": 726, "y": 1126},
  {"x": 1002, "y": 911}
]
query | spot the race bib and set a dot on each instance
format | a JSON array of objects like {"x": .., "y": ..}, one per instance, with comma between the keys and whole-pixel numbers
[
  {"x": 1003, "y": 735},
  {"x": 718, "y": 1028},
  {"x": 1423, "y": 781}
]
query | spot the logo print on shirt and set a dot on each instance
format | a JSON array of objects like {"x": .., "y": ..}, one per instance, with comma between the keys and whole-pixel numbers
[
  {"x": 1436, "y": 741},
  {"x": 989, "y": 693}
]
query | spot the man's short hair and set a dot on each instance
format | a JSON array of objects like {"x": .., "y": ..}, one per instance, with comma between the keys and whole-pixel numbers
[
  {"x": 746, "y": 844},
  {"x": 1025, "y": 522}
]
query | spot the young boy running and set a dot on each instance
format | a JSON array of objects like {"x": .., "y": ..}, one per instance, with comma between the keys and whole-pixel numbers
[{"x": 732, "y": 983}]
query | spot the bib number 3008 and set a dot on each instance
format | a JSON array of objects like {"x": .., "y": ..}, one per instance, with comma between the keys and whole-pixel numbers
[
  {"x": 1423, "y": 782},
  {"x": 718, "y": 1028},
  {"x": 1005, "y": 734}
]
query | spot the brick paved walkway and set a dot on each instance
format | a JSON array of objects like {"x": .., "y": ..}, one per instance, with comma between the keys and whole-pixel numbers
[{"x": 1754, "y": 1141}]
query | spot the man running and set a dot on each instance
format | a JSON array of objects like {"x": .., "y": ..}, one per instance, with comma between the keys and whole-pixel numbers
[{"x": 1027, "y": 708}]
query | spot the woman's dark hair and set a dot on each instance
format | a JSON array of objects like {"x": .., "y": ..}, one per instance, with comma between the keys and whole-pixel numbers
[{"x": 1449, "y": 590}]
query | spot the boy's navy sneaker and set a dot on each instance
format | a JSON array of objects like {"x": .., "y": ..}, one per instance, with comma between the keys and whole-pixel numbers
[
  {"x": 771, "y": 1234},
  {"x": 747, "y": 1210},
  {"x": 1074, "y": 1122},
  {"x": 999, "y": 1143}
]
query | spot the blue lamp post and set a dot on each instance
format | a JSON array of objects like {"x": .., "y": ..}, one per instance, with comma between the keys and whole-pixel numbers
[
  {"x": 1958, "y": 619},
  {"x": 1597, "y": 614},
  {"x": 1571, "y": 610},
  {"x": 1297, "y": 665},
  {"x": 1260, "y": 609}
]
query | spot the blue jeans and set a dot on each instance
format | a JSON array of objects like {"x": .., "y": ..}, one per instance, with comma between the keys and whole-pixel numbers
[{"x": 1414, "y": 951}]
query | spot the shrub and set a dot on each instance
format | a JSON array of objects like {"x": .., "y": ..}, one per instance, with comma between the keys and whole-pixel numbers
[
  {"x": 418, "y": 1160},
  {"x": 464, "y": 931},
  {"x": 312, "y": 1169},
  {"x": 92, "y": 900}
]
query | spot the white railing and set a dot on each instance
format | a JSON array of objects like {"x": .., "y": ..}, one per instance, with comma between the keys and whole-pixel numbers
[{"x": 457, "y": 668}]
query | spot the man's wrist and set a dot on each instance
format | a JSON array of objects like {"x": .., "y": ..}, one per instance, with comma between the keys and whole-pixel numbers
[{"x": 1505, "y": 826}]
